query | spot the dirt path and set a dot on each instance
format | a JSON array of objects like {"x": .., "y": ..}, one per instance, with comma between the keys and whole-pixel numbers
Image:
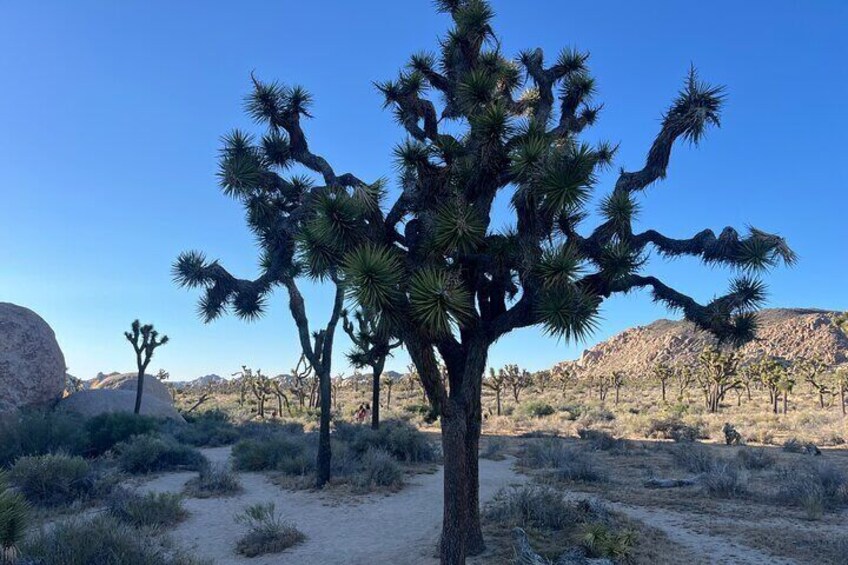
[
  {"x": 715, "y": 549},
  {"x": 397, "y": 528}
]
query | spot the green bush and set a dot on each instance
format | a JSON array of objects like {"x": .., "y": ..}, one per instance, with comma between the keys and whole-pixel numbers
[
  {"x": 400, "y": 439},
  {"x": 148, "y": 454},
  {"x": 109, "y": 429},
  {"x": 101, "y": 540},
  {"x": 214, "y": 480},
  {"x": 52, "y": 479},
  {"x": 212, "y": 428},
  {"x": 279, "y": 452},
  {"x": 40, "y": 432},
  {"x": 531, "y": 506},
  {"x": 267, "y": 531},
  {"x": 151, "y": 509},
  {"x": 380, "y": 469},
  {"x": 536, "y": 409}
]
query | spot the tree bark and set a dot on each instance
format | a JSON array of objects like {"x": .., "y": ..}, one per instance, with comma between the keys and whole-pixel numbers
[
  {"x": 324, "y": 455},
  {"x": 454, "y": 519},
  {"x": 375, "y": 397},
  {"x": 139, "y": 385}
]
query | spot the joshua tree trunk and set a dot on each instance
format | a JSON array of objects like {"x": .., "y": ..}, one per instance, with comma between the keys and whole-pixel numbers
[
  {"x": 785, "y": 401},
  {"x": 498, "y": 400},
  {"x": 375, "y": 396},
  {"x": 324, "y": 454},
  {"x": 139, "y": 385},
  {"x": 663, "y": 391}
]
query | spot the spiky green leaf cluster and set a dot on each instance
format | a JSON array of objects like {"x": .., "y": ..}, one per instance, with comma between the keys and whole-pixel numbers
[
  {"x": 374, "y": 274},
  {"x": 458, "y": 229},
  {"x": 438, "y": 301}
]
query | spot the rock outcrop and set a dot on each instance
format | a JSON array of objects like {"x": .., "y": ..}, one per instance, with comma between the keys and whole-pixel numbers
[
  {"x": 788, "y": 333},
  {"x": 32, "y": 367},
  {"x": 93, "y": 402},
  {"x": 153, "y": 387}
]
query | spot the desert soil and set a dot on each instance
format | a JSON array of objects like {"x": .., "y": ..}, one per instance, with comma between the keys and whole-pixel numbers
[{"x": 395, "y": 528}]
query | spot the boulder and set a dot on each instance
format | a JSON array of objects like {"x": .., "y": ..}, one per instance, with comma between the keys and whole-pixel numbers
[
  {"x": 32, "y": 367},
  {"x": 153, "y": 387},
  {"x": 91, "y": 403}
]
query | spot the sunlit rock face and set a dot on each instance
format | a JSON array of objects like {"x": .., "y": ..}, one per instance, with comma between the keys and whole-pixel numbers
[
  {"x": 32, "y": 367},
  {"x": 790, "y": 333}
]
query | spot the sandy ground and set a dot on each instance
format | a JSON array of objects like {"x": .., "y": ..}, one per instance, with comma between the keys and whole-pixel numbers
[{"x": 397, "y": 528}]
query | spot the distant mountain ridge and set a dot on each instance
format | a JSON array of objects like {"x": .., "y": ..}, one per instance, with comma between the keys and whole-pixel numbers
[{"x": 791, "y": 333}]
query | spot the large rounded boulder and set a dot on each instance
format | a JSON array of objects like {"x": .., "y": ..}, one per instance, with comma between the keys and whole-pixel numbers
[
  {"x": 153, "y": 387},
  {"x": 94, "y": 402},
  {"x": 32, "y": 367}
]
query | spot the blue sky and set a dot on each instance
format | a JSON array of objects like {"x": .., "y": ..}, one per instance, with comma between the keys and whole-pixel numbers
[{"x": 111, "y": 113}]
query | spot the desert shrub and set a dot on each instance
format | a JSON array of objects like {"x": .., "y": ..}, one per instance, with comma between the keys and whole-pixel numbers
[
  {"x": 601, "y": 541},
  {"x": 214, "y": 480},
  {"x": 577, "y": 466},
  {"x": 14, "y": 519},
  {"x": 566, "y": 464},
  {"x": 400, "y": 439},
  {"x": 109, "y": 429},
  {"x": 597, "y": 415},
  {"x": 101, "y": 540},
  {"x": 211, "y": 428},
  {"x": 674, "y": 429},
  {"x": 531, "y": 506},
  {"x": 494, "y": 449},
  {"x": 151, "y": 509},
  {"x": 548, "y": 453},
  {"x": 536, "y": 409},
  {"x": 600, "y": 440},
  {"x": 572, "y": 411},
  {"x": 149, "y": 454},
  {"x": 755, "y": 459},
  {"x": 694, "y": 458},
  {"x": 267, "y": 531},
  {"x": 814, "y": 486},
  {"x": 792, "y": 445},
  {"x": 723, "y": 480},
  {"x": 52, "y": 479},
  {"x": 278, "y": 452},
  {"x": 40, "y": 432},
  {"x": 422, "y": 410},
  {"x": 380, "y": 469}
]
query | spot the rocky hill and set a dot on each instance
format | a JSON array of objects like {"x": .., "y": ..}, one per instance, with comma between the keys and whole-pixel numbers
[{"x": 789, "y": 333}]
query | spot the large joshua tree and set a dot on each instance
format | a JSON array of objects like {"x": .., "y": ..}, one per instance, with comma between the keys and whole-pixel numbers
[
  {"x": 452, "y": 287},
  {"x": 144, "y": 340},
  {"x": 303, "y": 228},
  {"x": 431, "y": 267}
]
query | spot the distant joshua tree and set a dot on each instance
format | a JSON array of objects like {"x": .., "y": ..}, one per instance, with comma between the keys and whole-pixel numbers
[
  {"x": 771, "y": 371},
  {"x": 717, "y": 375},
  {"x": 496, "y": 383},
  {"x": 662, "y": 373},
  {"x": 372, "y": 344},
  {"x": 814, "y": 372},
  {"x": 516, "y": 379},
  {"x": 840, "y": 383},
  {"x": 618, "y": 379},
  {"x": 144, "y": 340}
]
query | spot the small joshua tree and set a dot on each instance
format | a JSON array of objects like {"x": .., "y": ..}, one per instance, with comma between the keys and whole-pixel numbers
[
  {"x": 371, "y": 346},
  {"x": 771, "y": 371},
  {"x": 662, "y": 373},
  {"x": 840, "y": 383},
  {"x": 717, "y": 375},
  {"x": 144, "y": 340},
  {"x": 496, "y": 383},
  {"x": 618, "y": 379},
  {"x": 683, "y": 377},
  {"x": 516, "y": 379},
  {"x": 813, "y": 371},
  {"x": 388, "y": 382}
]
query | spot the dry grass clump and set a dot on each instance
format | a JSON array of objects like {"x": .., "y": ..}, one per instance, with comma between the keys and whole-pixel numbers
[
  {"x": 695, "y": 458},
  {"x": 674, "y": 429},
  {"x": 601, "y": 441},
  {"x": 215, "y": 479},
  {"x": 267, "y": 532},
  {"x": 755, "y": 458},
  {"x": 723, "y": 480},
  {"x": 150, "y": 509},
  {"x": 561, "y": 462},
  {"x": 812, "y": 485}
]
